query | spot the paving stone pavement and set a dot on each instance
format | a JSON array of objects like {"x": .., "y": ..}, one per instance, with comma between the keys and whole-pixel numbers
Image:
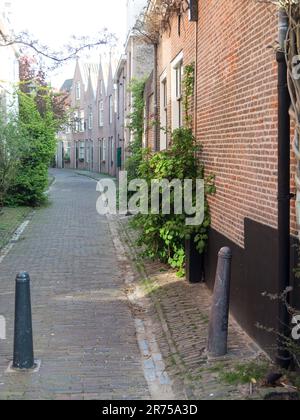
[
  {"x": 180, "y": 315},
  {"x": 84, "y": 332}
]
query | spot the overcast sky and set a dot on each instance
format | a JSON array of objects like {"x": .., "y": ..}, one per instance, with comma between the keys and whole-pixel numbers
[{"x": 55, "y": 21}]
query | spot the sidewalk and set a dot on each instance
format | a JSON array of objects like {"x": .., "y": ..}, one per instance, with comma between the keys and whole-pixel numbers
[
  {"x": 94, "y": 175},
  {"x": 180, "y": 315}
]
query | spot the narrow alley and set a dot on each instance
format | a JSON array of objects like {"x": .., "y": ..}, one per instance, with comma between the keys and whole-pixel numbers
[{"x": 84, "y": 333}]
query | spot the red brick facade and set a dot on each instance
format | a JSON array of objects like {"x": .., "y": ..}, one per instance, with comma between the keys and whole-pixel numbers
[{"x": 235, "y": 110}]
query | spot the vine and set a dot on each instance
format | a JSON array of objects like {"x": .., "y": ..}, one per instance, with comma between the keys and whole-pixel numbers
[
  {"x": 163, "y": 236},
  {"x": 188, "y": 88},
  {"x": 136, "y": 126}
]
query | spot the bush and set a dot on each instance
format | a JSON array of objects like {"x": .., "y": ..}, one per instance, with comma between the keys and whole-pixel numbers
[
  {"x": 163, "y": 236},
  {"x": 38, "y": 132},
  {"x": 136, "y": 126}
]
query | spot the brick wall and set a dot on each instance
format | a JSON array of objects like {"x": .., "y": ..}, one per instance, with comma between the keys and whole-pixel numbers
[
  {"x": 237, "y": 112},
  {"x": 235, "y": 108},
  {"x": 149, "y": 133}
]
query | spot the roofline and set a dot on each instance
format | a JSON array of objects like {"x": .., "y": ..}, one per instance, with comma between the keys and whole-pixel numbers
[{"x": 121, "y": 63}]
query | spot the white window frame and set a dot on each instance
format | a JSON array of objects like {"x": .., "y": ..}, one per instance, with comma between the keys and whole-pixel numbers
[
  {"x": 101, "y": 113},
  {"x": 164, "y": 110},
  {"x": 76, "y": 122},
  {"x": 87, "y": 152},
  {"x": 68, "y": 150},
  {"x": 111, "y": 108},
  {"x": 176, "y": 81},
  {"x": 104, "y": 150},
  {"x": 81, "y": 150},
  {"x": 78, "y": 91},
  {"x": 81, "y": 122},
  {"x": 112, "y": 150},
  {"x": 90, "y": 118}
]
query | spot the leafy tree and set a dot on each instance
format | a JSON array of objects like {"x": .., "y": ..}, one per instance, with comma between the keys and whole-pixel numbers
[{"x": 38, "y": 131}]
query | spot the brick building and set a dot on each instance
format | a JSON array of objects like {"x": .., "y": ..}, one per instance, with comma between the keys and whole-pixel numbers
[
  {"x": 137, "y": 63},
  {"x": 88, "y": 141},
  {"x": 235, "y": 118}
]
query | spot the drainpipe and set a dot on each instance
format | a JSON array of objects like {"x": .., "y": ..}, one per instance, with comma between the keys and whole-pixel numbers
[
  {"x": 284, "y": 194},
  {"x": 156, "y": 115}
]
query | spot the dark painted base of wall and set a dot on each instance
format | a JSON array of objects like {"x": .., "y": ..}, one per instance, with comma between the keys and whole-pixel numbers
[{"x": 254, "y": 272}]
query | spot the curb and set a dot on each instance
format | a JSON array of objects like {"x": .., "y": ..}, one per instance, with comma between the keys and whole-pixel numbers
[
  {"x": 141, "y": 270},
  {"x": 157, "y": 378}
]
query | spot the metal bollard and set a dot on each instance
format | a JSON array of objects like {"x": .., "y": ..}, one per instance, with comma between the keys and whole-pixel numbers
[
  {"x": 23, "y": 340},
  {"x": 218, "y": 326}
]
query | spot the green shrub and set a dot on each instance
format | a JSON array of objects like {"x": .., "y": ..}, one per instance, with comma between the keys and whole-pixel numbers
[
  {"x": 136, "y": 126},
  {"x": 163, "y": 236},
  {"x": 38, "y": 134}
]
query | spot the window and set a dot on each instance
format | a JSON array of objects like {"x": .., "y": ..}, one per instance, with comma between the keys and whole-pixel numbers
[
  {"x": 104, "y": 149},
  {"x": 68, "y": 127},
  {"x": 81, "y": 122},
  {"x": 81, "y": 151},
  {"x": 68, "y": 151},
  {"x": 88, "y": 153},
  {"x": 177, "y": 74},
  {"x": 112, "y": 151},
  {"x": 78, "y": 91},
  {"x": 76, "y": 121},
  {"x": 111, "y": 109},
  {"x": 164, "y": 110},
  {"x": 90, "y": 119},
  {"x": 115, "y": 100},
  {"x": 193, "y": 10},
  {"x": 101, "y": 113}
]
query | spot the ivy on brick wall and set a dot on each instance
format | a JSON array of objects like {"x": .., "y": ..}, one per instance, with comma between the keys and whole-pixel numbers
[
  {"x": 163, "y": 236},
  {"x": 136, "y": 126}
]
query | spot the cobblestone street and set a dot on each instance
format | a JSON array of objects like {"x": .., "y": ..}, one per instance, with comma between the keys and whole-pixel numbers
[
  {"x": 180, "y": 315},
  {"x": 84, "y": 333}
]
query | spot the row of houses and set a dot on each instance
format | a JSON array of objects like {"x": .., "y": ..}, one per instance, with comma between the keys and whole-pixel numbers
[
  {"x": 235, "y": 118},
  {"x": 99, "y": 99},
  {"x": 88, "y": 141}
]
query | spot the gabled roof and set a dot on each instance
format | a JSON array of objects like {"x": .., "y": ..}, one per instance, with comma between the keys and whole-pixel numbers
[
  {"x": 120, "y": 66},
  {"x": 89, "y": 70}
]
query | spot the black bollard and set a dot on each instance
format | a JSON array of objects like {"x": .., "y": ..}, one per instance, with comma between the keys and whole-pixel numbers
[
  {"x": 218, "y": 326},
  {"x": 23, "y": 340}
]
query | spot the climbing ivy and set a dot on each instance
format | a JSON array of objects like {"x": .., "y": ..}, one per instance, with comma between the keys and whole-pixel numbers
[
  {"x": 163, "y": 236},
  {"x": 136, "y": 126},
  {"x": 188, "y": 88}
]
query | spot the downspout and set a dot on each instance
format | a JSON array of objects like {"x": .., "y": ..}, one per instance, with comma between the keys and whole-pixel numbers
[
  {"x": 196, "y": 81},
  {"x": 156, "y": 114},
  {"x": 284, "y": 196}
]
